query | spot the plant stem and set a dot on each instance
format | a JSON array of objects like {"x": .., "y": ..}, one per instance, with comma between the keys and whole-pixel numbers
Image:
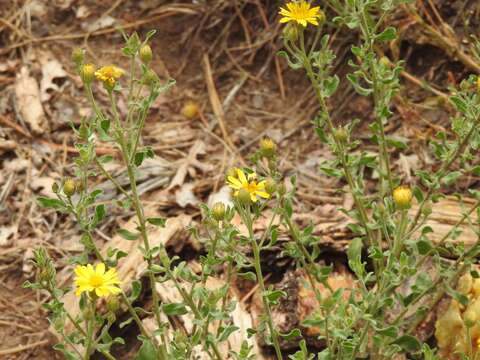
[
  {"x": 247, "y": 217},
  {"x": 90, "y": 326}
]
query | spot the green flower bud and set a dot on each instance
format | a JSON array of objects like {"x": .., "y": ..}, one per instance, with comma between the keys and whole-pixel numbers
[
  {"x": 150, "y": 78},
  {"x": 55, "y": 188},
  {"x": 341, "y": 134},
  {"x": 290, "y": 32},
  {"x": 87, "y": 73},
  {"x": 78, "y": 56},
  {"x": 270, "y": 186},
  {"x": 113, "y": 304},
  {"x": 268, "y": 148},
  {"x": 146, "y": 54},
  {"x": 69, "y": 187},
  {"x": 243, "y": 197},
  {"x": 218, "y": 211}
]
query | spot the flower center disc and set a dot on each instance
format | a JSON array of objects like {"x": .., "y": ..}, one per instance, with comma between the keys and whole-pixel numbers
[{"x": 96, "y": 280}]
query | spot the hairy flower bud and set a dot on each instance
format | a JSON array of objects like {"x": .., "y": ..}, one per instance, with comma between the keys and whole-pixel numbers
[
  {"x": 268, "y": 148},
  {"x": 55, "y": 188},
  {"x": 244, "y": 197},
  {"x": 190, "y": 110},
  {"x": 290, "y": 32},
  {"x": 341, "y": 134},
  {"x": 270, "y": 186},
  {"x": 69, "y": 187},
  {"x": 402, "y": 196},
  {"x": 146, "y": 54},
  {"x": 113, "y": 304},
  {"x": 218, "y": 211},
  {"x": 78, "y": 56},
  {"x": 87, "y": 73}
]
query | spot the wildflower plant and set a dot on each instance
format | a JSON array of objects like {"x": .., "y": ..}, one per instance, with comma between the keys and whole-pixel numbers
[{"x": 377, "y": 318}]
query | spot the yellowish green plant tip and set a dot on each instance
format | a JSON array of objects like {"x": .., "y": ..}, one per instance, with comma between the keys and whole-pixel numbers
[
  {"x": 218, "y": 211},
  {"x": 113, "y": 303},
  {"x": 270, "y": 186},
  {"x": 96, "y": 280},
  {"x": 247, "y": 183},
  {"x": 146, "y": 54},
  {"x": 301, "y": 13},
  {"x": 78, "y": 56},
  {"x": 109, "y": 75},
  {"x": 402, "y": 196},
  {"x": 190, "y": 110},
  {"x": 268, "y": 148},
  {"x": 69, "y": 187},
  {"x": 87, "y": 73}
]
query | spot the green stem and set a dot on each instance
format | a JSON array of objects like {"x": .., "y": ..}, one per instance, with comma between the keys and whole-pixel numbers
[
  {"x": 137, "y": 205},
  {"x": 399, "y": 236},
  {"x": 247, "y": 217},
  {"x": 90, "y": 328}
]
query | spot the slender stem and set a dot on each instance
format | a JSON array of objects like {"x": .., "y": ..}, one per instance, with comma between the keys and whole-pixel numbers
[
  {"x": 247, "y": 217},
  {"x": 90, "y": 326},
  {"x": 441, "y": 172},
  {"x": 399, "y": 236}
]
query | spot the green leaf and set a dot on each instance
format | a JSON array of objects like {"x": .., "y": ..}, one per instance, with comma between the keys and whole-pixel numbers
[
  {"x": 99, "y": 213},
  {"x": 147, "y": 351},
  {"x": 274, "y": 295},
  {"x": 136, "y": 290},
  {"x": 292, "y": 335},
  {"x": 459, "y": 103},
  {"x": 226, "y": 332},
  {"x": 450, "y": 178},
  {"x": 105, "y": 159},
  {"x": 50, "y": 203},
  {"x": 157, "y": 221},
  {"x": 387, "y": 35},
  {"x": 174, "y": 309},
  {"x": 249, "y": 275},
  {"x": 408, "y": 343},
  {"x": 128, "y": 235},
  {"x": 424, "y": 246}
]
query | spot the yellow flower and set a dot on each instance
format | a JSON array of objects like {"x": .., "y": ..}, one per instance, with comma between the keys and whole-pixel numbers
[
  {"x": 302, "y": 13},
  {"x": 402, "y": 196},
  {"x": 109, "y": 75},
  {"x": 103, "y": 283},
  {"x": 249, "y": 184}
]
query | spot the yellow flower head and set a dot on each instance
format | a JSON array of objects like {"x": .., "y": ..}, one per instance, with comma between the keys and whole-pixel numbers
[
  {"x": 96, "y": 280},
  {"x": 248, "y": 183},
  {"x": 109, "y": 75},
  {"x": 402, "y": 196},
  {"x": 301, "y": 13}
]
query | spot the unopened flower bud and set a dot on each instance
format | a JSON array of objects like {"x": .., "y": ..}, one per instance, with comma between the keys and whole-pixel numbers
[
  {"x": 146, "y": 54},
  {"x": 150, "y": 77},
  {"x": 270, "y": 186},
  {"x": 87, "y": 73},
  {"x": 321, "y": 17},
  {"x": 243, "y": 197},
  {"x": 341, "y": 134},
  {"x": 268, "y": 148},
  {"x": 55, "y": 188},
  {"x": 282, "y": 189},
  {"x": 69, "y": 187},
  {"x": 190, "y": 110},
  {"x": 290, "y": 32},
  {"x": 78, "y": 55},
  {"x": 218, "y": 211},
  {"x": 113, "y": 304},
  {"x": 402, "y": 196},
  {"x": 384, "y": 61}
]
